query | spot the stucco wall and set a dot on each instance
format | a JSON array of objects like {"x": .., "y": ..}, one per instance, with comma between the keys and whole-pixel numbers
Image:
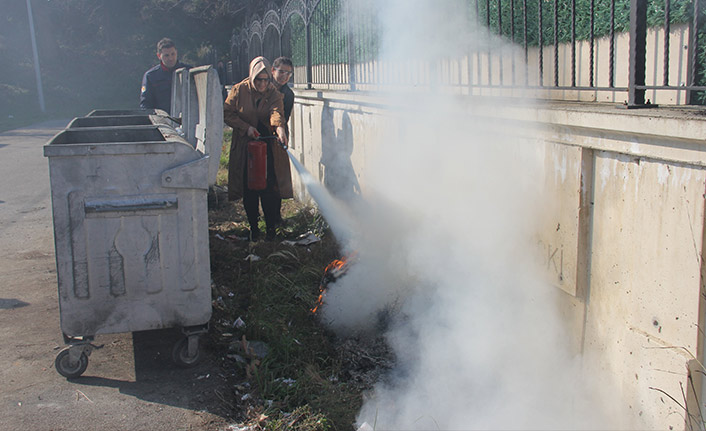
[{"x": 623, "y": 239}]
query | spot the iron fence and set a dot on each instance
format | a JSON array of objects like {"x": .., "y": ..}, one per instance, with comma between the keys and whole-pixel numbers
[{"x": 636, "y": 51}]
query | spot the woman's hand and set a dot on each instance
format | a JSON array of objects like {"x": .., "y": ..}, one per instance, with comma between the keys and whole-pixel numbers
[
  {"x": 253, "y": 133},
  {"x": 282, "y": 136}
]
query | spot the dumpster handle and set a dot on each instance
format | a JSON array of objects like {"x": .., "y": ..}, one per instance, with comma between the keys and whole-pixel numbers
[{"x": 130, "y": 204}]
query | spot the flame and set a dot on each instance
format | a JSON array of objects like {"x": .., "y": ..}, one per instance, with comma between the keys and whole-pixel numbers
[{"x": 333, "y": 270}]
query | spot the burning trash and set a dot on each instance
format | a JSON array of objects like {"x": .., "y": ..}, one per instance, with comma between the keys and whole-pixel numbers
[{"x": 333, "y": 271}]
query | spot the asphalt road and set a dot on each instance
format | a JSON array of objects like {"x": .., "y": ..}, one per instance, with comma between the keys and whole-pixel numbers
[{"x": 130, "y": 384}]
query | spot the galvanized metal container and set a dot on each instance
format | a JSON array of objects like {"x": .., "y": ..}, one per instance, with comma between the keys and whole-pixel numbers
[{"x": 131, "y": 230}]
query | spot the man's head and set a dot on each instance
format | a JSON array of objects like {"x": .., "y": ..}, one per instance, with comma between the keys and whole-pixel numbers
[
  {"x": 282, "y": 70},
  {"x": 167, "y": 53}
]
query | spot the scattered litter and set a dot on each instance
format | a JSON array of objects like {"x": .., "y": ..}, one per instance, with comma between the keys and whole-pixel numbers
[
  {"x": 303, "y": 239},
  {"x": 227, "y": 334},
  {"x": 257, "y": 349},
  {"x": 205, "y": 376},
  {"x": 245, "y": 397},
  {"x": 240, "y": 428},
  {"x": 239, "y": 323},
  {"x": 84, "y": 395},
  {"x": 252, "y": 258},
  {"x": 238, "y": 238},
  {"x": 365, "y": 427},
  {"x": 297, "y": 341},
  {"x": 236, "y": 358},
  {"x": 289, "y": 382},
  {"x": 231, "y": 294},
  {"x": 218, "y": 235}
]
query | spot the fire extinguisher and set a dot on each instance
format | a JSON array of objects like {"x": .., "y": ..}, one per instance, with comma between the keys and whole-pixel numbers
[
  {"x": 257, "y": 165},
  {"x": 257, "y": 162}
]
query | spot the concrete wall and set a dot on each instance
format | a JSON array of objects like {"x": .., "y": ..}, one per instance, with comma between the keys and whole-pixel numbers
[{"x": 624, "y": 240}]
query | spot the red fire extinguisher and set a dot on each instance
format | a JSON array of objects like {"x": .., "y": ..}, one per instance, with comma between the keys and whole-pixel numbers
[{"x": 257, "y": 165}]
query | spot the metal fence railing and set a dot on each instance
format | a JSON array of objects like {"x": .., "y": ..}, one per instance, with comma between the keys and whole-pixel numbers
[{"x": 636, "y": 51}]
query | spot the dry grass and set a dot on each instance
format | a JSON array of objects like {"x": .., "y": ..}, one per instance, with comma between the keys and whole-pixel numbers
[{"x": 289, "y": 373}]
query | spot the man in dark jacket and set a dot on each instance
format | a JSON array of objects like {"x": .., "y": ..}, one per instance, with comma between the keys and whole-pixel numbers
[
  {"x": 282, "y": 70},
  {"x": 157, "y": 82}
]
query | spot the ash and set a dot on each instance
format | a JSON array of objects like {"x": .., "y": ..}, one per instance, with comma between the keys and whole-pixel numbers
[{"x": 366, "y": 359}]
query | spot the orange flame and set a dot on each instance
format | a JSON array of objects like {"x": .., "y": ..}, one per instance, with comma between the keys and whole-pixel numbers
[{"x": 332, "y": 271}]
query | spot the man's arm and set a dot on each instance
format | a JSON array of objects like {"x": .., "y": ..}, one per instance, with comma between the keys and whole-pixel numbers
[
  {"x": 147, "y": 94},
  {"x": 288, "y": 103}
]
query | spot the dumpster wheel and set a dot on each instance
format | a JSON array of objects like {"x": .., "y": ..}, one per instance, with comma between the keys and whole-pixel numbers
[
  {"x": 63, "y": 365},
  {"x": 186, "y": 352}
]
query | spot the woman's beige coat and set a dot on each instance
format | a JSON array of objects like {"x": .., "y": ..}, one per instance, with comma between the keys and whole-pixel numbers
[{"x": 243, "y": 108}]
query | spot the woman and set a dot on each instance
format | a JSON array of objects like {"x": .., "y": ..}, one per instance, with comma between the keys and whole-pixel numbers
[{"x": 254, "y": 107}]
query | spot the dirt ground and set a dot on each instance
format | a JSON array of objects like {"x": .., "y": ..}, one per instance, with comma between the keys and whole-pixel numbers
[{"x": 131, "y": 382}]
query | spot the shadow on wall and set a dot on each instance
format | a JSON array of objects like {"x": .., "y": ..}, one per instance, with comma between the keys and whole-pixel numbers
[{"x": 335, "y": 166}]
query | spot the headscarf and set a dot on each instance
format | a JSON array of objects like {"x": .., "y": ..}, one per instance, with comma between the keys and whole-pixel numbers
[{"x": 257, "y": 66}]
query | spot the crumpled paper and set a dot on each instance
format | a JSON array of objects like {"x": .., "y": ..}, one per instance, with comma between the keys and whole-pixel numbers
[{"x": 303, "y": 239}]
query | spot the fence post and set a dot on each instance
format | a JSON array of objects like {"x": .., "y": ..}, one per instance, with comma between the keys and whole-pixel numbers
[
  {"x": 692, "y": 69},
  {"x": 638, "y": 41},
  {"x": 351, "y": 46},
  {"x": 307, "y": 26}
]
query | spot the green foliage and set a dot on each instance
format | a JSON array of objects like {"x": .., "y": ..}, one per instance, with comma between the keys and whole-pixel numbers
[
  {"x": 297, "y": 40},
  {"x": 680, "y": 12},
  {"x": 330, "y": 29},
  {"x": 701, "y": 75},
  {"x": 222, "y": 176}
]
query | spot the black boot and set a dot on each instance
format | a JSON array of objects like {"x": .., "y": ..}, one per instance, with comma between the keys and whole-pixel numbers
[{"x": 271, "y": 234}]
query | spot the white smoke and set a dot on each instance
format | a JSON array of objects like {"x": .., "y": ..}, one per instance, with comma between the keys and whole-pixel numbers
[{"x": 445, "y": 246}]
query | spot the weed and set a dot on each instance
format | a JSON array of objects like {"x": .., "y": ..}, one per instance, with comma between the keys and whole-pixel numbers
[{"x": 222, "y": 176}]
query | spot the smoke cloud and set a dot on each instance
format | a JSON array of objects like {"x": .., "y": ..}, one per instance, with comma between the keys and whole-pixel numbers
[{"x": 444, "y": 246}]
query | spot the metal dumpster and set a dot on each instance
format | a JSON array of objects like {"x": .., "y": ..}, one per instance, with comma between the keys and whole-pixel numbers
[
  {"x": 117, "y": 112},
  {"x": 123, "y": 120},
  {"x": 131, "y": 236},
  {"x": 131, "y": 230}
]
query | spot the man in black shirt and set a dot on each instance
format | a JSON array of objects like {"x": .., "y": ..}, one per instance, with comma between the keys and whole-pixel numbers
[
  {"x": 282, "y": 71},
  {"x": 157, "y": 82}
]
